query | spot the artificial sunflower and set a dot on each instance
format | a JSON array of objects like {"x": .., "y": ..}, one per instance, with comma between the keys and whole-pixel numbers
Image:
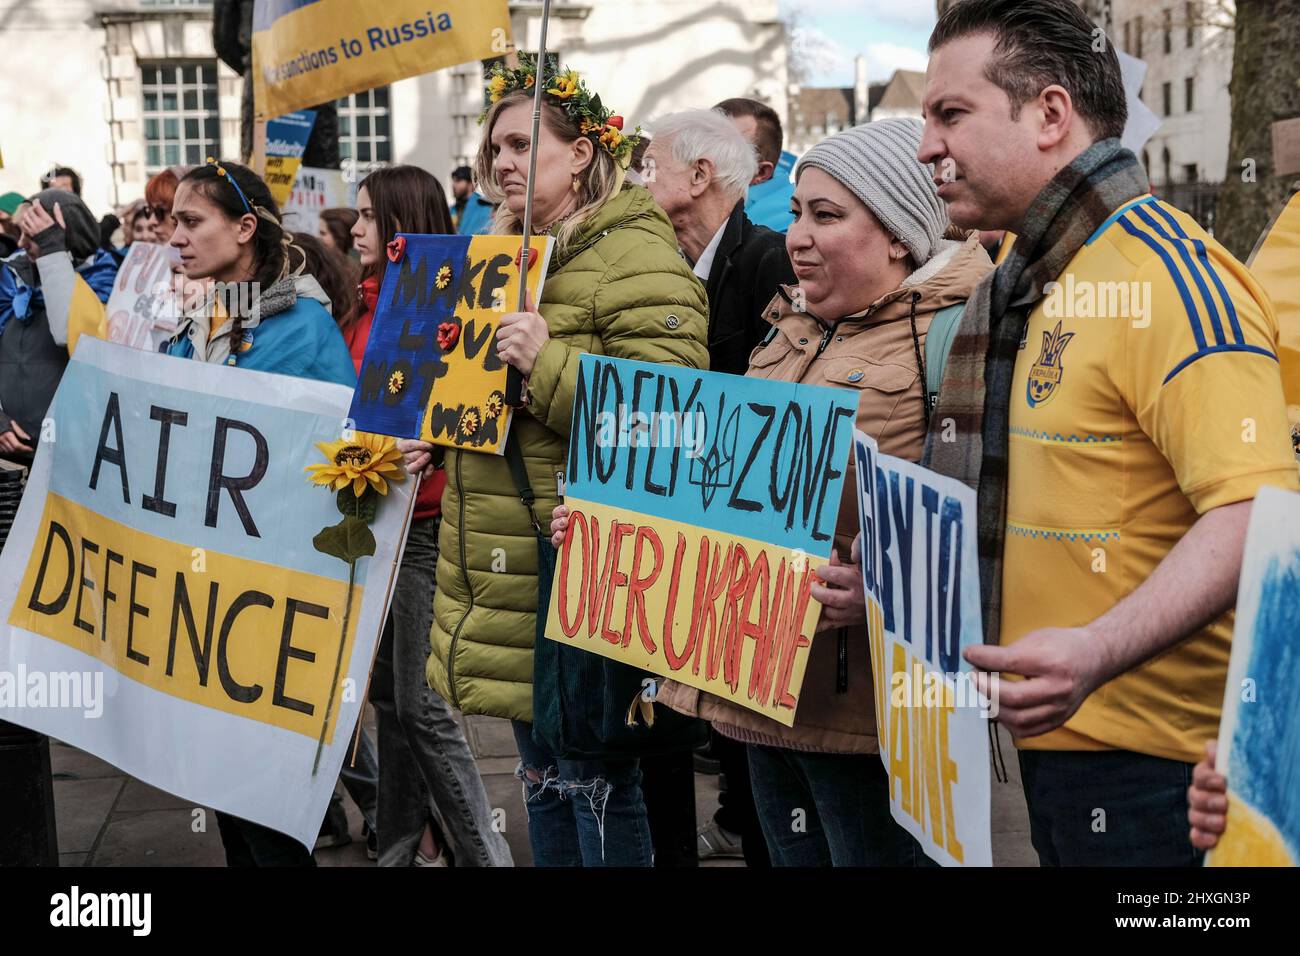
[
  {"x": 365, "y": 461},
  {"x": 566, "y": 86},
  {"x": 395, "y": 382},
  {"x": 443, "y": 279},
  {"x": 529, "y": 80},
  {"x": 469, "y": 424},
  {"x": 497, "y": 87},
  {"x": 495, "y": 403}
]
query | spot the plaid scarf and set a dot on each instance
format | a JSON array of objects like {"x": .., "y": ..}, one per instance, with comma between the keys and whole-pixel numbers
[{"x": 975, "y": 394}]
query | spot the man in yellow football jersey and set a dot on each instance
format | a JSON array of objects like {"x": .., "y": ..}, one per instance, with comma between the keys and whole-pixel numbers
[{"x": 1115, "y": 449}]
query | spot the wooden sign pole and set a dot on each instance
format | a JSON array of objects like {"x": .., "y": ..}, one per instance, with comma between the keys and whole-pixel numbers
[{"x": 514, "y": 379}]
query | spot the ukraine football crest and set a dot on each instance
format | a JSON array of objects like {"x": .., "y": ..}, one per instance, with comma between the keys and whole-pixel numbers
[{"x": 1045, "y": 373}]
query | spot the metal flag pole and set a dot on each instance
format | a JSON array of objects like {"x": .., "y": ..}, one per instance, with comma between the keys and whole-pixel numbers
[{"x": 514, "y": 378}]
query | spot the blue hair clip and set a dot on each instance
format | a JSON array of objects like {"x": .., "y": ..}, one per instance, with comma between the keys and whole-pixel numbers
[{"x": 221, "y": 171}]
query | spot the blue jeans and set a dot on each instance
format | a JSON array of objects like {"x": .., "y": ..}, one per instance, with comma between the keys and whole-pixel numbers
[
  {"x": 427, "y": 771},
  {"x": 819, "y": 809},
  {"x": 1107, "y": 808},
  {"x": 582, "y": 812}
]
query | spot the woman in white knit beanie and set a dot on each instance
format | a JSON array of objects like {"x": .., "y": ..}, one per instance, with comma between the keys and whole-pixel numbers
[{"x": 876, "y": 261}]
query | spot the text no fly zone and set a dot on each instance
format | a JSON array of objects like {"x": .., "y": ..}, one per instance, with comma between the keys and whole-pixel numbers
[{"x": 730, "y": 447}]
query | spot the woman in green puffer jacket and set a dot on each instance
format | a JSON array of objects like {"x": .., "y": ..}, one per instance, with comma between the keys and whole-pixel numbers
[{"x": 617, "y": 286}]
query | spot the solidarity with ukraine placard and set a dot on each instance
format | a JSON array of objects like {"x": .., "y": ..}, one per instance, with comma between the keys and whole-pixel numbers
[
  {"x": 173, "y": 549},
  {"x": 700, "y": 506},
  {"x": 307, "y": 52},
  {"x": 286, "y": 142},
  {"x": 920, "y": 573},
  {"x": 431, "y": 369}
]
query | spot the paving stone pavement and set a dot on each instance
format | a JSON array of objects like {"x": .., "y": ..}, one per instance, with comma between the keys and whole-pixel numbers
[{"x": 106, "y": 818}]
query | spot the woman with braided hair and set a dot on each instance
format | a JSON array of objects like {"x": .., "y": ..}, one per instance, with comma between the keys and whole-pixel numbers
[{"x": 261, "y": 311}]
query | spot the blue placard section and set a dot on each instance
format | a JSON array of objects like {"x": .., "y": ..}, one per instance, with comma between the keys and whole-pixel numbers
[
  {"x": 403, "y": 338},
  {"x": 283, "y": 510},
  {"x": 919, "y": 557},
  {"x": 287, "y": 135},
  {"x": 743, "y": 456}
]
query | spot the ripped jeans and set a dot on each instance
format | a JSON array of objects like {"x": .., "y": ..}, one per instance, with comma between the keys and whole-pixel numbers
[{"x": 582, "y": 812}]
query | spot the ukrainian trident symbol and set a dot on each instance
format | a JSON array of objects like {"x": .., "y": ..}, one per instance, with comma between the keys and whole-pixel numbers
[{"x": 1045, "y": 373}]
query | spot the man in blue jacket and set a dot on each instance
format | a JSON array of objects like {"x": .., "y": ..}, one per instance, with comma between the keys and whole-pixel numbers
[
  {"x": 768, "y": 203},
  {"x": 470, "y": 212}
]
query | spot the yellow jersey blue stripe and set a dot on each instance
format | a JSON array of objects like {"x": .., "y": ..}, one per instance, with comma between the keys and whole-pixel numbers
[
  {"x": 1192, "y": 314},
  {"x": 1110, "y": 220},
  {"x": 1136, "y": 219},
  {"x": 1213, "y": 273},
  {"x": 1181, "y": 248}
]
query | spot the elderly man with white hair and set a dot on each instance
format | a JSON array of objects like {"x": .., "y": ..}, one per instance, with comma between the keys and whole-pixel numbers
[{"x": 698, "y": 168}]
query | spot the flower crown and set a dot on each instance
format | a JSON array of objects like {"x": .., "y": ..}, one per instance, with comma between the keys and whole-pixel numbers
[{"x": 570, "y": 94}]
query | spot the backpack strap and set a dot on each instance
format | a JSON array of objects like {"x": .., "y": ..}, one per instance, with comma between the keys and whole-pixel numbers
[
  {"x": 519, "y": 475},
  {"x": 938, "y": 343}
]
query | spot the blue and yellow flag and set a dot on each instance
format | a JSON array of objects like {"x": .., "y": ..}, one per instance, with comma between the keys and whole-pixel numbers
[{"x": 311, "y": 51}]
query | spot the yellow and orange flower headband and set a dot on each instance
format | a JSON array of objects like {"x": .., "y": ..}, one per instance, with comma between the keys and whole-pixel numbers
[{"x": 567, "y": 91}]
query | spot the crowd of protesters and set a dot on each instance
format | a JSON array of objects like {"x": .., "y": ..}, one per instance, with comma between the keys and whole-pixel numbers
[{"x": 705, "y": 245}]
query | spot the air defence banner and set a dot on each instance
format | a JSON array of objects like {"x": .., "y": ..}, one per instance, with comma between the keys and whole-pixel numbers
[{"x": 168, "y": 549}]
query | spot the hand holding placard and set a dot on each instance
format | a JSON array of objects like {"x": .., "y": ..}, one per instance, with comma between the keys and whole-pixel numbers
[{"x": 521, "y": 335}]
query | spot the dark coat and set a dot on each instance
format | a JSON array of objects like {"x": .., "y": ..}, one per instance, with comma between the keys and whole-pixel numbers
[
  {"x": 31, "y": 365},
  {"x": 749, "y": 265},
  {"x": 31, "y": 362}
]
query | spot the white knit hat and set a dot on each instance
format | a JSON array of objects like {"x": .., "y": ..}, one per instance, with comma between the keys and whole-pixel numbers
[{"x": 877, "y": 163}]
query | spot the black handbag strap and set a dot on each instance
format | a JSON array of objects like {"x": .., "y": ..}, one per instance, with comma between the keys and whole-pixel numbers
[{"x": 519, "y": 475}]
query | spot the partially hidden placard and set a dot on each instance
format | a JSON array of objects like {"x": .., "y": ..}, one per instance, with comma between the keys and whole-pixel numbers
[
  {"x": 143, "y": 303},
  {"x": 920, "y": 574},
  {"x": 1259, "y": 735}
]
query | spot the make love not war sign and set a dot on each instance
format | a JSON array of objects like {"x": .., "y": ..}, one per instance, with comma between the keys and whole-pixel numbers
[
  {"x": 172, "y": 550},
  {"x": 921, "y": 578},
  {"x": 431, "y": 369},
  {"x": 700, "y": 506}
]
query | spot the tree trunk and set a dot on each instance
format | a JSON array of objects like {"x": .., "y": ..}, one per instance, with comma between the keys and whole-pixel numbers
[{"x": 1265, "y": 87}]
